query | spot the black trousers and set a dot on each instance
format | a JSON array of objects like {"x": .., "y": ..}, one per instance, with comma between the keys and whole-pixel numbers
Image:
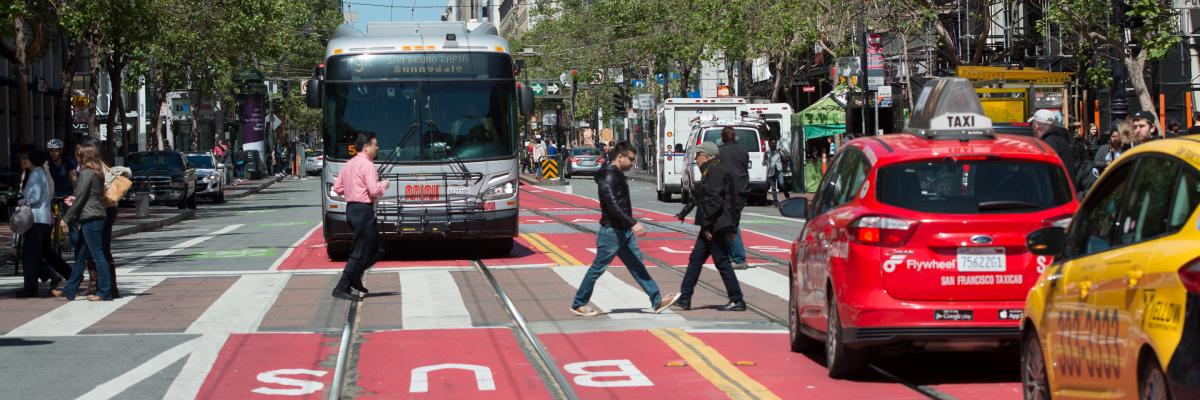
[
  {"x": 38, "y": 258},
  {"x": 366, "y": 248},
  {"x": 718, "y": 249}
]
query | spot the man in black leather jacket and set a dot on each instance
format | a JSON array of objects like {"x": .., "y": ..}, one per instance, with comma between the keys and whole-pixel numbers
[
  {"x": 617, "y": 235},
  {"x": 715, "y": 197},
  {"x": 736, "y": 159}
]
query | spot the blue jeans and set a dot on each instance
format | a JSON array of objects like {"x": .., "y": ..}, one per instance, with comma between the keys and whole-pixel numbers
[
  {"x": 616, "y": 243},
  {"x": 737, "y": 251},
  {"x": 89, "y": 241}
]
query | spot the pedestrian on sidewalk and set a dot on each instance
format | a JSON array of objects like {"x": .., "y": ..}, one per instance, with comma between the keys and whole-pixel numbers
[
  {"x": 110, "y": 219},
  {"x": 239, "y": 160},
  {"x": 618, "y": 235},
  {"x": 63, "y": 169},
  {"x": 776, "y": 161},
  {"x": 1145, "y": 127},
  {"x": 41, "y": 262},
  {"x": 359, "y": 182},
  {"x": 714, "y": 200},
  {"x": 737, "y": 162},
  {"x": 87, "y": 211}
]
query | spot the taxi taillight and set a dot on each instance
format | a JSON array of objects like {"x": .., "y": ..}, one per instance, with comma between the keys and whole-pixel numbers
[
  {"x": 881, "y": 230},
  {"x": 1190, "y": 276},
  {"x": 1061, "y": 221}
]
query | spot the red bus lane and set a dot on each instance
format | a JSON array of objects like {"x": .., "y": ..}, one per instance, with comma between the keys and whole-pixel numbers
[
  {"x": 272, "y": 366},
  {"x": 310, "y": 255},
  {"x": 484, "y": 363}
]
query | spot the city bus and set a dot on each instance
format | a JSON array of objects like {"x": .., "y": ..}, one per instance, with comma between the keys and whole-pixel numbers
[{"x": 443, "y": 101}]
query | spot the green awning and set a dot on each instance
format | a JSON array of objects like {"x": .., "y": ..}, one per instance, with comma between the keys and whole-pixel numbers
[
  {"x": 826, "y": 117},
  {"x": 820, "y": 131}
]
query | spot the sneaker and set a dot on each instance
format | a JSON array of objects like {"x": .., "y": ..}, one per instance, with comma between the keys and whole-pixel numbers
[
  {"x": 741, "y": 266},
  {"x": 667, "y": 302},
  {"x": 585, "y": 311}
]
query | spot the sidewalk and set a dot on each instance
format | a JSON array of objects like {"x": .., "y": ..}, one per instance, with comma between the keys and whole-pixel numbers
[{"x": 127, "y": 224}]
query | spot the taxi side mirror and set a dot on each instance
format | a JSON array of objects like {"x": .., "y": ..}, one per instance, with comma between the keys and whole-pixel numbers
[
  {"x": 1046, "y": 241},
  {"x": 794, "y": 208}
]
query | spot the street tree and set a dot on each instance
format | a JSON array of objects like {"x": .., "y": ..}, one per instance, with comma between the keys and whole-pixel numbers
[
  {"x": 1150, "y": 25},
  {"x": 24, "y": 42}
]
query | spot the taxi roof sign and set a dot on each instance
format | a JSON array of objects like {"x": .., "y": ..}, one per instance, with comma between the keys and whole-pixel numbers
[{"x": 949, "y": 107}]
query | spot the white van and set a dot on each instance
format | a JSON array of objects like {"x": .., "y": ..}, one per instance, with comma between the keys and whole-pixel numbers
[
  {"x": 675, "y": 118},
  {"x": 750, "y": 135}
]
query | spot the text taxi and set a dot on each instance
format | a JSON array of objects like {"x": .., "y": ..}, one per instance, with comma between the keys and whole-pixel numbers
[
  {"x": 1116, "y": 315},
  {"x": 917, "y": 240}
]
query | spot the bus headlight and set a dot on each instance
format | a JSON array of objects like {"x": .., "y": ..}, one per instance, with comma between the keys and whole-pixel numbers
[
  {"x": 333, "y": 196},
  {"x": 501, "y": 191}
]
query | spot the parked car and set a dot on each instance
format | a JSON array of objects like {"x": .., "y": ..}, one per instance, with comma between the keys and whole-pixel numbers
[
  {"x": 210, "y": 176},
  {"x": 1115, "y": 314},
  {"x": 165, "y": 175},
  {"x": 583, "y": 160},
  {"x": 314, "y": 161}
]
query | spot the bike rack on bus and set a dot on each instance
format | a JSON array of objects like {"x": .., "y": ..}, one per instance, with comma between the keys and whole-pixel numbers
[{"x": 410, "y": 214}]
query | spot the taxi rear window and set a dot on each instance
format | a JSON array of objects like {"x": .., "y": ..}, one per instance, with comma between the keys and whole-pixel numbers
[{"x": 973, "y": 187}]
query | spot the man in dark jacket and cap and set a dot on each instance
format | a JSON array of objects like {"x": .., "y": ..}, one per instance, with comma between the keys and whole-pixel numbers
[
  {"x": 736, "y": 160},
  {"x": 1047, "y": 128},
  {"x": 715, "y": 200}
]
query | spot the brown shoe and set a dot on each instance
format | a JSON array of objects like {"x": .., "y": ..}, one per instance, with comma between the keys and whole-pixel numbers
[
  {"x": 57, "y": 293},
  {"x": 667, "y": 302},
  {"x": 95, "y": 298},
  {"x": 585, "y": 311}
]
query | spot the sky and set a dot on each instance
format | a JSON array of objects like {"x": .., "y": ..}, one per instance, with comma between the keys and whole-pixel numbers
[{"x": 394, "y": 10}]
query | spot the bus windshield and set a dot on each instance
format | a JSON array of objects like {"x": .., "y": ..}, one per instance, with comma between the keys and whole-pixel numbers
[
  {"x": 422, "y": 121},
  {"x": 423, "y": 107}
]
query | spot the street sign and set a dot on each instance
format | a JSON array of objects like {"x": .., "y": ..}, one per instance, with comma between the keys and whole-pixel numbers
[
  {"x": 645, "y": 101},
  {"x": 885, "y": 103},
  {"x": 565, "y": 78},
  {"x": 538, "y": 88},
  {"x": 883, "y": 92},
  {"x": 637, "y": 83},
  {"x": 597, "y": 78},
  {"x": 1185, "y": 4}
]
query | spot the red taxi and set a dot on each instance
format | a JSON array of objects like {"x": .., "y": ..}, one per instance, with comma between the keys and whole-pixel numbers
[{"x": 917, "y": 240}]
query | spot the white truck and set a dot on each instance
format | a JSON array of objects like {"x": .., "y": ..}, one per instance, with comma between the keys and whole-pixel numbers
[{"x": 675, "y": 120}]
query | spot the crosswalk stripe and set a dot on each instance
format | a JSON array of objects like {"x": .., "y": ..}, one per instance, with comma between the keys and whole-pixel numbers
[
  {"x": 239, "y": 310},
  {"x": 242, "y": 307},
  {"x": 431, "y": 300},
  {"x": 75, "y": 316},
  {"x": 768, "y": 281},
  {"x": 615, "y": 297},
  {"x": 713, "y": 366}
]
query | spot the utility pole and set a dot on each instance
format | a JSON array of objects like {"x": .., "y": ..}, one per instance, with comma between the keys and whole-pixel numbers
[{"x": 574, "y": 125}]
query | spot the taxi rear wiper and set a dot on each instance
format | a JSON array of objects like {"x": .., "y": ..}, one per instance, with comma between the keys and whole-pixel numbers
[{"x": 1006, "y": 205}]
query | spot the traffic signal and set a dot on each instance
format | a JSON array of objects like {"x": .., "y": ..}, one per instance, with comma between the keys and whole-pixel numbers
[
  {"x": 286, "y": 87},
  {"x": 620, "y": 101}
]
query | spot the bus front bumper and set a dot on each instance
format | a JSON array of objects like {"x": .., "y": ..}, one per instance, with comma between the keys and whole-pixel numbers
[{"x": 498, "y": 224}]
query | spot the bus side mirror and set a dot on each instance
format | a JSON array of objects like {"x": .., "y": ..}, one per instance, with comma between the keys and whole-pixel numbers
[
  {"x": 525, "y": 95},
  {"x": 312, "y": 95},
  {"x": 678, "y": 147}
]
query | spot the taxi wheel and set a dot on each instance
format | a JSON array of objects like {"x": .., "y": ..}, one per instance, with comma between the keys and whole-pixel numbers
[
  {"x": 1033, "y": 369},
  {"x": 800, "y": 342},
  {"x": 842, "y": 362},
  {"x": 1152, "y": 383}
]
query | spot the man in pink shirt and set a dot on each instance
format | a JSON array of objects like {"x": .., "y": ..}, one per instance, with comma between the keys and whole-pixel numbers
[{"x": 359, "y": 182}]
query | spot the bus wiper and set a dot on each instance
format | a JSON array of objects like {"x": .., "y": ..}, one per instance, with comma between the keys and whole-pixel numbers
[
  {"x": 387, "y": 164},
  {"x": 1006, "y": 205},
  {"x": 451, "y": 152}
]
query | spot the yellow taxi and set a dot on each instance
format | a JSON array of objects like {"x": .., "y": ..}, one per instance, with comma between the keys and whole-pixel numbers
[{"x": 1116, "y": 313}]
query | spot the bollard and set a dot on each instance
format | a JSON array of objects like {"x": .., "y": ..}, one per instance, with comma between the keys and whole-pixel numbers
[{"x": 143, "y": 204}]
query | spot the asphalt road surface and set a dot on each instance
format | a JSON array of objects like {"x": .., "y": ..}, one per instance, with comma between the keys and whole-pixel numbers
[{"x": 235, "y": 304}]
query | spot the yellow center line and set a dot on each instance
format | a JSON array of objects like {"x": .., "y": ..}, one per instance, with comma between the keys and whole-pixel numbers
[
  {"x": 713, "y": 366},
  {"x": 559, "y": 256}
]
